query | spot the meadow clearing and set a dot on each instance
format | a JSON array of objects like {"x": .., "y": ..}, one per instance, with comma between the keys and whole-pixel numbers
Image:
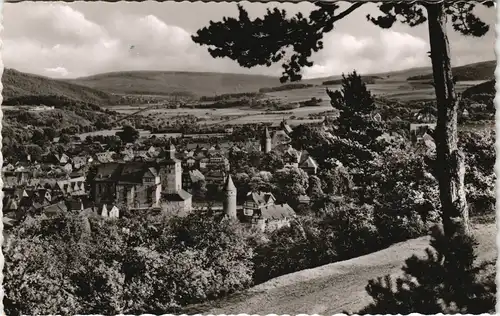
[{"x": 399, "y": 90}]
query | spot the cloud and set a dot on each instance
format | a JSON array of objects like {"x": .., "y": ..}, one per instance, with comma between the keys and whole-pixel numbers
[
  {"x": 59, "y": 71},
  {"x": 150, "y": 35},
  {"x": 388, "y": 51},
  {"x": 50, "y": 23},
  {"x": 41, "y": 44},
  {"x": 46, "y": 38}
]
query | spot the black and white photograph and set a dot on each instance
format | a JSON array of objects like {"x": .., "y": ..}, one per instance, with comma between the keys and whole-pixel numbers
[{"x": 248, "y": 158}]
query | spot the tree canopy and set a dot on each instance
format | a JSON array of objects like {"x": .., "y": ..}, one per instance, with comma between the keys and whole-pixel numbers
[
  {"x": 268, "y": 40},
  {"x": 129, "y": 134},
  {"x": 271, "y": 39}
]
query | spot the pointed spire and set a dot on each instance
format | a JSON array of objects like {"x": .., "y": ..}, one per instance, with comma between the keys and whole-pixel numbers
[
  {"x": 266, "y": 133},
  {"x": 172, "y": 151},
  {"x": 229, "y": 186}
]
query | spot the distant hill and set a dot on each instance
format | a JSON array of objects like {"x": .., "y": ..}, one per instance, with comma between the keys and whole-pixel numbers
[
  {"x": 369, "y": 79},
  {"x": 76, "y": 108},
  {"x": 18, "y": 84},
  {"x": 487, "y": 87},
  {"x": 477, "y": 71},
  {"x": 166, "y": 83},
  {"x": 108, "y": 88},
  {"x": 392, "y": 76},
  {"x": 171, "y": 83},
  {"x": 484, "y": 70}
]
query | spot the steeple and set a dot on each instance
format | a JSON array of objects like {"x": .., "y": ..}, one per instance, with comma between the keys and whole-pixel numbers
[
  {"x": 265, "y": 142},
  {"x": 171, "y": 151},
  {"x": 230, "y": 198},
  {"x": 229, "y": 185},
  {"x": 266, "y": 133}
]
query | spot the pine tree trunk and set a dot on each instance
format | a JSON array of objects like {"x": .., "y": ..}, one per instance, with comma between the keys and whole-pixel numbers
[{"x": 450, "y": 160}]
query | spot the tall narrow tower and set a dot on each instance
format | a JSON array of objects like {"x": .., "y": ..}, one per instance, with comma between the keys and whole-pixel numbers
[
  {"x": 171, "y": 172},
  {"x": 265, "y": 142},
  {"x": 230, "y": 198}
]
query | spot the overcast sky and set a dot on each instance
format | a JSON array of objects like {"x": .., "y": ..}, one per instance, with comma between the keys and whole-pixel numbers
[{"x": 80, "y": 39}]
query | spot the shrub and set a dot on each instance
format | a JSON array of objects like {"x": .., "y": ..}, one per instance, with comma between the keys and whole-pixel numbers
[
  {"x": 352, "y": 228},
  {"x": 137, "y": 265},
  {"x": 289, "y": 249},
  {"x": 447, "y": 281}
]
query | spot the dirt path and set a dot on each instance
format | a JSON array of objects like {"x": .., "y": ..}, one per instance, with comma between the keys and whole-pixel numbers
[{"x": 336, "y": 287}]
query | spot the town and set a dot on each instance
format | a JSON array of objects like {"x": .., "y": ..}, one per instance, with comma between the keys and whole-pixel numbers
[
  {"x": 156, "y": 161},
  {"x": 140, "y": 178}
]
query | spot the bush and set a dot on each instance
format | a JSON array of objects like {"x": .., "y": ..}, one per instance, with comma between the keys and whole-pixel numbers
[
  {"x": 447, "y": 281},
  {"x": 289, "y": 249},
  {"x": 91, "y": 265},
  {"x": 352, "y": 229}
]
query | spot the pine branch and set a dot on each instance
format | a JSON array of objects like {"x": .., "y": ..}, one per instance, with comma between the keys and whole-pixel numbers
[{"x": 347, "y": 11}]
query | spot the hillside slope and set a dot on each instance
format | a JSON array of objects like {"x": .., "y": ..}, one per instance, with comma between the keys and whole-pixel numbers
[
  {"x": 487, "y": 87},
  {"x": 484, "y": 70},
  {"x": 336, "y": 287},
  {"x": 180, "y": 83},
  {"x": 392, "y": 76},
  {"x": 18, "y": 84},
  {"x": 164, "y": 83}
]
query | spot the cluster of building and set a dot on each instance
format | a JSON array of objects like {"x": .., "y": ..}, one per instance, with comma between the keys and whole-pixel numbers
[{"x": 136, "y": 179}]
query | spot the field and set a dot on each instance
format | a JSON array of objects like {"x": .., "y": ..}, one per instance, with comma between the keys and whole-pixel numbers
[
  {"x": 127, "y": 92},
  {"x": 404, "y": 91},
  {"x": 209, "y": 84}
]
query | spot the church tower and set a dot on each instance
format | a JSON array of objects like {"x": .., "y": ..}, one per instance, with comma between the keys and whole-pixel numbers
[
  {"x": 265, "y": 142},
  {"x": 171, "y": 172},
  {"x": 230, "y": 198}
]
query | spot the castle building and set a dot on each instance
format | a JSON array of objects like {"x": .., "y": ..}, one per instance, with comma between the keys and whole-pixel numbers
[
  {"x": 171, "y": 172},
  {"x": 230, "y": 198},
  {"x": 142, "y": 185},
  {"x": 135, "y": 185},
  {"x": 174, "y": 199}
]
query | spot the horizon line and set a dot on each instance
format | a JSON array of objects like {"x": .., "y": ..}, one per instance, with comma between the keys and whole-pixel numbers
[{"x": 233, "y": 73}]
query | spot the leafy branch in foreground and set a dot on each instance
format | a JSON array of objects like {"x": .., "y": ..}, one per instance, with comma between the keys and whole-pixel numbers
[{"x": 268, "y": 40}]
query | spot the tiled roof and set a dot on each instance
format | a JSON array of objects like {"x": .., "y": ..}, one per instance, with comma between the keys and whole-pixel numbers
[
  {"x": 277, "y": 211},
  {"x": 131, "y": 172},
  {"x": 309, "y": 163},
  {"x": 196, "y": 175},
  {"x": 281, "y": 136},
  {"x": 56, "y": 208},
  {"x": 260, "y": 198}
]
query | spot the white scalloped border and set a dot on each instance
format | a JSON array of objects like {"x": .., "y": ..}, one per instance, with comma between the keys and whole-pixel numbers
[
  {"x": 497, "y": 149},
  {"x": 1, "y": 162},
  {"x": 259, "y": 1},
  {"x": 497, "y": 146}
]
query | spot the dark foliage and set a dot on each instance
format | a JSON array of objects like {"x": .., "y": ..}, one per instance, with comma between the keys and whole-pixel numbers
[
  {"x": 128, "y": 134},
  {"x": 265, "y": 41},
  {"x": 356, "y": 108},
  {"x": 477, "y": 71},
  {"x": 447, "y": 281}
]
